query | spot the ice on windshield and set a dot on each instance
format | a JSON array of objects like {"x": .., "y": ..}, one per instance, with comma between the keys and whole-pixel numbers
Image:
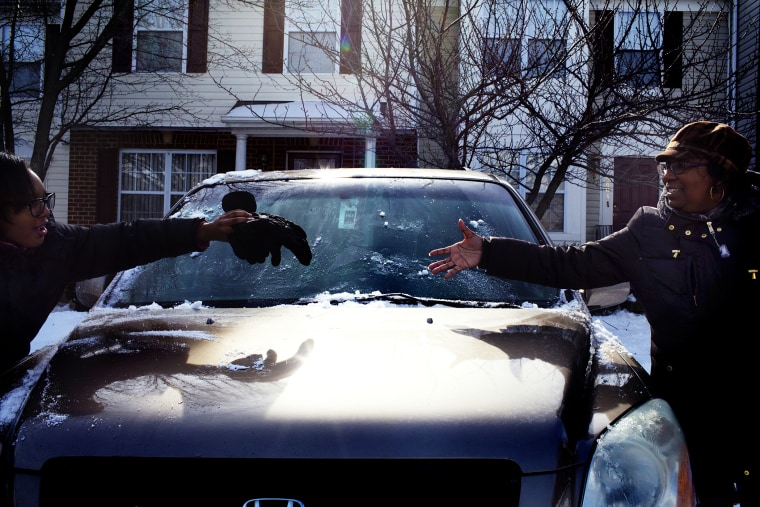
[{"x": 366, "y": 235}]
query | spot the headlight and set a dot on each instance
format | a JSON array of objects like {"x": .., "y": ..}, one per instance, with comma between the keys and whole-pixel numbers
[{"x": 641, "y": 460}]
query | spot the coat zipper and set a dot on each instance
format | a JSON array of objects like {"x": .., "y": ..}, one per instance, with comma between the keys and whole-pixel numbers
[{"x": 724, "y": 253}]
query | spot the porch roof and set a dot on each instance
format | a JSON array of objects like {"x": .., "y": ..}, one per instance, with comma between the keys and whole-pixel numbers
[{"x": 297, "y": 118}]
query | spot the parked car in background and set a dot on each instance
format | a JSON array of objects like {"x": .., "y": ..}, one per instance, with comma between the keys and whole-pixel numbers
[{"x": 357, "y": 379}]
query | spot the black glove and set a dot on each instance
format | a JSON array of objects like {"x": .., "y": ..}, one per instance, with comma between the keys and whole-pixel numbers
[
  {"x": 264, "y": 234},
  {"x": 267, "y": 234},
  {"x": 239, "y": 199}
]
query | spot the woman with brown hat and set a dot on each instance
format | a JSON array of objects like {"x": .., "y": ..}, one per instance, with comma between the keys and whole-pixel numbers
[{"x": 693, "y": 263}]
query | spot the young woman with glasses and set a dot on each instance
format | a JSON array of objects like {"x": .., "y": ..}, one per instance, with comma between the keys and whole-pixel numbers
[{"x": 40, "y": 258}]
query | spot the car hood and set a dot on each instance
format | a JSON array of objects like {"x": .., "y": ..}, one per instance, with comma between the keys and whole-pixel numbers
[{"x": 320, "y": 380}]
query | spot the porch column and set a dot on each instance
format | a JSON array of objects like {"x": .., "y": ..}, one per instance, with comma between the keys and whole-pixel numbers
[
  {"x": 370, "y": 151},
  {"x": 240, "y": 151}
]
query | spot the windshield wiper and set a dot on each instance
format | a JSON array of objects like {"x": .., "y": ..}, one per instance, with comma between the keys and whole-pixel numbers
[{"x": 403, "y": 298}]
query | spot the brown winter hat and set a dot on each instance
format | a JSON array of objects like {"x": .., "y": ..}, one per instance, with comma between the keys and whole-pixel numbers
[{"x": 716, "y": 141}]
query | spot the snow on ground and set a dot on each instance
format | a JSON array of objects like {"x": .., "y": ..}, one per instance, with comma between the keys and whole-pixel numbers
[{"x": 631, "y": 329}]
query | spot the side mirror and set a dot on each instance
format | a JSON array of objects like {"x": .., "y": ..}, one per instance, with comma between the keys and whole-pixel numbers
[
  {"x": 606, "y": 297},
  {"x": 87, "y": 292}
]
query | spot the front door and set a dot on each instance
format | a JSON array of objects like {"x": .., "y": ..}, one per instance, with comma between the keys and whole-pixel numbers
[{"x": 636, "y": 183}]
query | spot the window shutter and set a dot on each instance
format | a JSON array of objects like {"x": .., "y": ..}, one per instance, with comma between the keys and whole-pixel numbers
[
  {"x": 52, "y": 33},
  {"x": 603, "y": 47},
  {"x": 123, "y": 11},
  {"x": 274, "y": 36},
  {"x": 672, "y": 55},
  {"x": 197, "y": 36},
  {"x": 107, "y": 185},
  {"x": 350, "y": 36}
]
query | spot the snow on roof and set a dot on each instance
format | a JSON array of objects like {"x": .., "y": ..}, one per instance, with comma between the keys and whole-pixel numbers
[{"x": 317, "y": 116}]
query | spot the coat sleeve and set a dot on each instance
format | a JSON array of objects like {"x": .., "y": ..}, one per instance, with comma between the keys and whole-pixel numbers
[
  {"x": 107, "y": 248},
  {"x": 594, "y": 264}
]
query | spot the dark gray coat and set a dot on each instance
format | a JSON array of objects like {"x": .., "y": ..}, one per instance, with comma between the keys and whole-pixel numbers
[{"x": 33, "y": 281}]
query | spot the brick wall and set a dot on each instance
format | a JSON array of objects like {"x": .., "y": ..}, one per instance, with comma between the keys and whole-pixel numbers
[
  {"x": 83, "y": 159},
  {"x": 86, "y": 186}
]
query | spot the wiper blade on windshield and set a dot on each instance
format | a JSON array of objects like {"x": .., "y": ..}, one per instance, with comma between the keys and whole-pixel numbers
[{"x": 404, "y": 298}]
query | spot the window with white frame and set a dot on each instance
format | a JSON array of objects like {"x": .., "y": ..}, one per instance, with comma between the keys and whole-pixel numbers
[
  {"x": 546, "y": 31},
  {"x": 502, "y": 57},
  {"x": 520, "y": 171},
  {"x": 151, "y": 181},
  {"x": 160, "y": 34},
  {"x": 554, "y": 217},
  {"x": 308, "y": 52},
  {"x": 502, "y": 40},
  {"x": 638, "y": 35},
  {"x": 312, "y": 29},
  {"x": 546, "y": 57},
  {"x": 531, "y": 38},
  {"x": 27, "y": 43}
]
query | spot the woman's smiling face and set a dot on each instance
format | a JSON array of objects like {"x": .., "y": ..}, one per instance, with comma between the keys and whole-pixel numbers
[
  {"x": 23, "y": 229},
  {"x": 687, "y": 186}
]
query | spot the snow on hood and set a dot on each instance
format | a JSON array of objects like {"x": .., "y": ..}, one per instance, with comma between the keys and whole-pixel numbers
[{"x": 322, "y": 374}]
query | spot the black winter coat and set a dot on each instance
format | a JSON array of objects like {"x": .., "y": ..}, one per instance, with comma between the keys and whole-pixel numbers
[
  {"x": 32, "y": 282},
  {"x": 702, "y": 308},
  {"x": 674, "y": 265}
]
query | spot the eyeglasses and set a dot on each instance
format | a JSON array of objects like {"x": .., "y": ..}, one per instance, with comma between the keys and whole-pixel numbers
[
  {"x": 676, "y": 167},
  {"x": 37, "y": 206}
]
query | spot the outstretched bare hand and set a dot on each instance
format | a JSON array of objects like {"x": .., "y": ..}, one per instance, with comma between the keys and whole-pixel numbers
[
  {"x": 465, "y": 254},
  {"x": 222, "y": 227}
]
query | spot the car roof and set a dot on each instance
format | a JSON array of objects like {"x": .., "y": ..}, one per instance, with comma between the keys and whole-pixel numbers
[{"x": 358, "y": 172}]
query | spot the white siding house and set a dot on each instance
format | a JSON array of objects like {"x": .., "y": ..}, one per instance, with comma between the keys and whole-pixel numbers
[{"x": 202, "y": 86}]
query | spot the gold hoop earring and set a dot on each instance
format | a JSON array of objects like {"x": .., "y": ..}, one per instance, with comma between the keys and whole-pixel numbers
[{"x": 722, "y": 193}]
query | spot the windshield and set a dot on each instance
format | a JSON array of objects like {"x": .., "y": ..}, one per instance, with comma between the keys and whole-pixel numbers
[{"x": 367, "y": 235}]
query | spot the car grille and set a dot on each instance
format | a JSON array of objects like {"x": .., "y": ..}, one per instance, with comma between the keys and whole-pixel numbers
[{"x": 313, "y": 482}]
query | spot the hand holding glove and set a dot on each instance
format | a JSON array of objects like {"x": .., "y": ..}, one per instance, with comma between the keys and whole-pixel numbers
[{"x": 264, "y": 234}]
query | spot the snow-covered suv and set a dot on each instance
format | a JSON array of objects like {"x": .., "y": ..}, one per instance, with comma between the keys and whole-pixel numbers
[{"x": 358, "y": 379}]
